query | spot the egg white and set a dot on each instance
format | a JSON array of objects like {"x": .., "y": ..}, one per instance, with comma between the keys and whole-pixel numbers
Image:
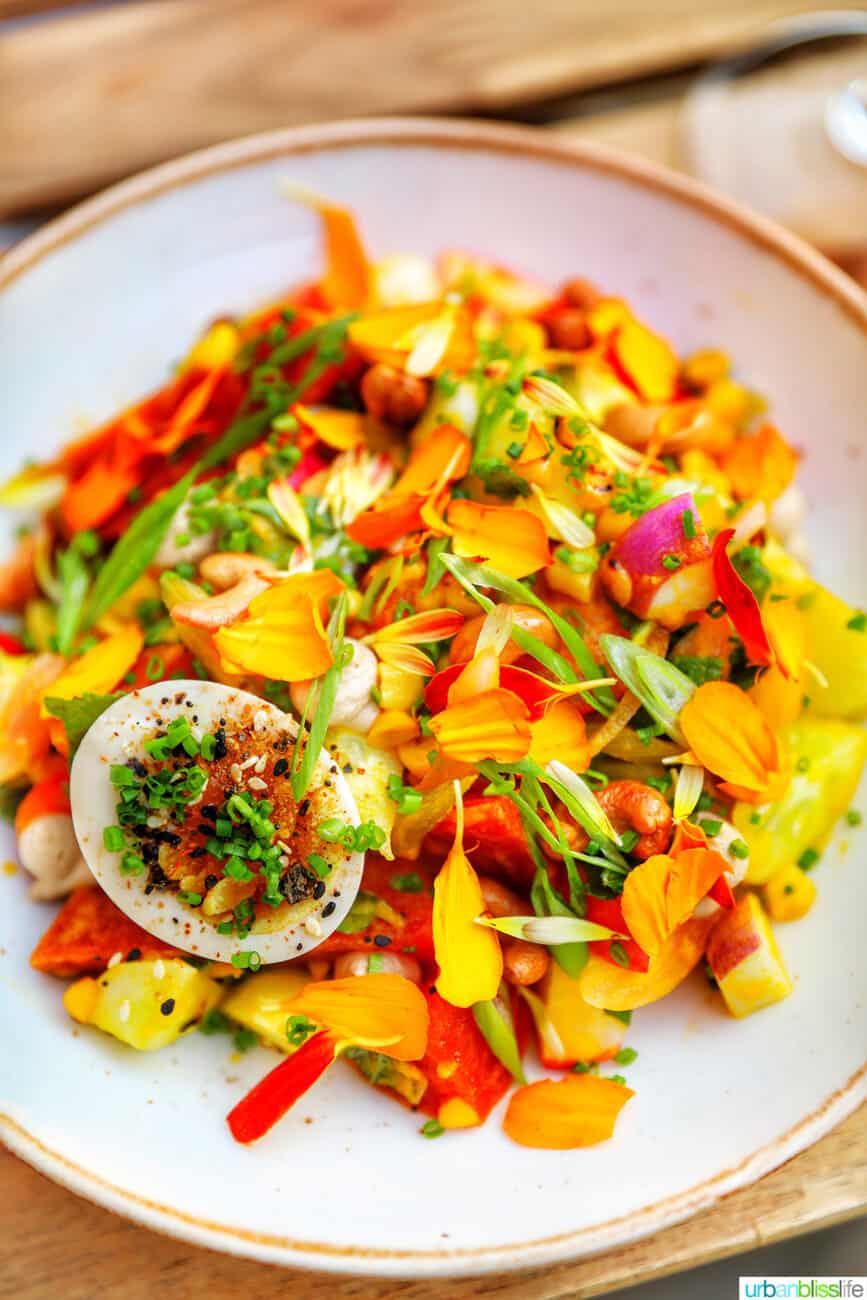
[{"x": 118, "y": 735}]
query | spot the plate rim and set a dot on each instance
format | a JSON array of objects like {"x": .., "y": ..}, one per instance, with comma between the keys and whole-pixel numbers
[{"x": 525, "y": 141}]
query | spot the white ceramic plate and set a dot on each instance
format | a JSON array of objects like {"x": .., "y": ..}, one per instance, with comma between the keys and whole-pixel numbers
[{"x": 92, "y": 311}]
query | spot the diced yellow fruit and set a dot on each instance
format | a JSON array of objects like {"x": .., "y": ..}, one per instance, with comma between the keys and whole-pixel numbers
[
  {"x": 399, "y": 689},
  {"x": 789, "y": 894},
  {"x": 146, "y": 1004},
  {"x": 837, "y": 650},
  {"x": 705, "y": 367},
  {"x": 745, "y": 960},
  {"x": 577, "y": 585},
  {"x": 260, "y": 1004},
  {"x": 367, "y": 769},
  {"x": 733, "y": 402},
  {"x": 216, "y": 348},
  {"x": 457, "y": 1113},
  {"x": 580, "y": 1032},
  {"x": 833, "y": 755}
]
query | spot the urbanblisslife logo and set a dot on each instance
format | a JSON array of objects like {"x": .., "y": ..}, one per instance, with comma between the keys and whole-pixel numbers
[{"x": 802, "y": 1288}]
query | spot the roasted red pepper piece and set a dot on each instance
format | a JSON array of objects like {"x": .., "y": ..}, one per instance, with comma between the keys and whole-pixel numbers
[
  {"x": 493, "y": 836},
  {"x": 272, "y": 1096},
  {"x": 740, "y": 602},
  {"x": 415, "y": 935},
  {"x": 10, "y": 645},
  {"x": 607, "y": 911},
  {"x": 87, "y": 931},
  {"x": 458, "y": 1062}
]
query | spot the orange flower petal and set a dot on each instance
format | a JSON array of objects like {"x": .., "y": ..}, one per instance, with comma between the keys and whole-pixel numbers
[
  {"x": 346, "y": 282},
  {"x": 558, "y": 1115},
  {"x": 513, "y": 541},
  {"x": 24, "y": 728},
  {"x": 392, "y": 727},
  {"x": 561, "y": 733},
  {"x": 468, "y": 955},
  {"x": 481, "y": 674},
  {"x": 613, "y": 988},
  {"x": 760, "y": 465},
  {"x": 418, "y": 629},
  {"x": 100, "y": 669},
  {"x": 321, "y": 585},
  {"x": 662, "y": 892},
  {"x": 187, "y": 412},
  {"x": 493, "y": 725},
  {"x": 387, "y": 334},
  {"x": 443, "y": 456},
  {"x": 647, "y": 360},
  {"x": 383, "y": 1011},
  {"x": 784, "y": 625},
  {"x": 342, "y": 430},
  {"x": 287, "y": 645},
  {"x": 729, "y": 736},
  {"x": 408, "y": 658}
]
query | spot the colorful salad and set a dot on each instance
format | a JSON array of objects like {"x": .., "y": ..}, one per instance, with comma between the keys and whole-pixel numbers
[{"x": 429, "y": 674}]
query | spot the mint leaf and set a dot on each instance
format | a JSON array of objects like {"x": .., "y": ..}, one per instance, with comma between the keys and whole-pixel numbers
[{"x": 79, "y": 714}]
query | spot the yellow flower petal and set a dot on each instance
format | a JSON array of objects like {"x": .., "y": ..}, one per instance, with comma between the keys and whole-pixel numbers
[
  {"x": 100, "y": 669},
  {"x": 493, "y": 725},
  {"x": 383, "y": 1011},
  {"x": 662, "y": 892},
  {"x": 561, "y": 734},
  {"x": 468, "y": 955},
  {"x": 342, "y": 430},
  {"x": 513, "y": 541},
  {"x": 285, "y": 637},
  {"x": 729, "y": 736},
  {"x": 347, "y": 278}
]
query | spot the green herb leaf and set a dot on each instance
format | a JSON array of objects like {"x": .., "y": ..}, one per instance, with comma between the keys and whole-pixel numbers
[
  {"x": 304, "y": 759},
  {"x": 662, "y": 688},
  {"x": 78, "y": 715},
  {"x": 494, "y": 1020},
  {"x": 74, "y": 580}
]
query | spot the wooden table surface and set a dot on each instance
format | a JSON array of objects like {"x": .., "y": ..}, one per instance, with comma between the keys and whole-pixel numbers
[
  {"x": 49, "y": 1235},
  {"x": 76, "y": 110}
]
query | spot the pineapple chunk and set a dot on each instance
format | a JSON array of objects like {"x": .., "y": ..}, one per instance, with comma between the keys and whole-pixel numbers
[
  {"x": 833, "y": 755},
  {"x": 746, "y": 961},
  {"x": 260, "y": 1004},
  {"x": 146, "y": 1004},
  {"x": 568, "y": 1028},
  {"x": 789, "y": 894}
]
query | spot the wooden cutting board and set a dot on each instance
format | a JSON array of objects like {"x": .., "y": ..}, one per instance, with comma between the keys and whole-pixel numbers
[
  {"x": 93, "y": 94},
  {"x": 49, "y": 1235}
]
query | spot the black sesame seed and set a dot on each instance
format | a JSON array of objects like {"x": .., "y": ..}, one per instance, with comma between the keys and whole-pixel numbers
[
  {"x": 328, "y": 909},
  {"x": 304, "y": 807},
  {"x": 381, "y": 940},
  {"x": 134, "y": 954},
  {"x": 210, "y": 811},
  {"x": 210, "y": 881},
  {"x": 167, "y": 1007},
  {"x": 199, "y": 851},
  {"x": 220, "y": 745},
  {"x": 319, "y": 889},
  {"x": 281, "y": 766}
]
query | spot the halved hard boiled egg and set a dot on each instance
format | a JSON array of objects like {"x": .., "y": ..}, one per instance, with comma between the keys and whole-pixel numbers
[{"x": 184, "y": 812}]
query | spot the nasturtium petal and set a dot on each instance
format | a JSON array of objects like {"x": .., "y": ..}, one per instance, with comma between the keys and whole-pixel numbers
[
  {"x": 100, "y": 669},
  {"x": 287, "y": 644},
  {"x": 468, "y": 955},
  {"x": 381, "y": 1011},
  {"x": 729, "y": 735},
  {"x": 513, "y": 541},
  {"x": 493, "y": 725},
  {"x": 562, "y": 1114}
]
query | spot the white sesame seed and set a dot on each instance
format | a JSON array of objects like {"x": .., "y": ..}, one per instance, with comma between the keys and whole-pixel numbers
[
  {"x": 155, "y": 820},
  {"x": 283, "y": 859},
  {"x": 123, "y": 1011},
  {"x": 235, "y": 773},
  {"x": 159, "y": 969},
  {"x": 260, "y": 720},
  {"x": 249, "y": 762},
  {"x": 261, "y": 763},
  {"x": 312, "y": 926},
  {"x": 114, "y": 960},
  {"x": 256, "y": 783},
  {"x": 281, "y": 844}
]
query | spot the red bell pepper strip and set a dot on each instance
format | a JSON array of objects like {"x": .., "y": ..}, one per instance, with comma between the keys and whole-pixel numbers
[
  {"x": 494, "y": 836},
  {"x": 414, "y": 935},
  {"x": 740, "y": 602},
  {"x": 458, "y": 1062},
  {"x": 608, "y": 911},
  {"x": 274, "y": 1095},
  {"x": 11, "y": 645}
]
